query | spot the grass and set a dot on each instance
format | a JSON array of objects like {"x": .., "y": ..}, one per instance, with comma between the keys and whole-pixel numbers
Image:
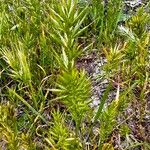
[{"x": 45, "y": 97}]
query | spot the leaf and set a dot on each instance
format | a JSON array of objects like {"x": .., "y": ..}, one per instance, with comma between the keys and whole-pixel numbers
[
  {"x": 102, "y": 102},
  {"x": 14, "y": 27},
  {"x": 65, "y": 58},
  {"x": 107, "y": 146},
  {"x": 27, "y": 104},
  {"x": 127, "y": 32}
]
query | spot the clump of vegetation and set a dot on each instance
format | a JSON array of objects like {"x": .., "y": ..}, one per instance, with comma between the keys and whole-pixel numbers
[{"x": 46, "y": 98}]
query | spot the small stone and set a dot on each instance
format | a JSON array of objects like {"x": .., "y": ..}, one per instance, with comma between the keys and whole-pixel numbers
[{"x": 96, "y": 102}]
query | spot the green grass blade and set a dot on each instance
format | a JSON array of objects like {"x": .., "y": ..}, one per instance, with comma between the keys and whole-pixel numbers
[
  {"x": 104, "y": 97},
  {"x": 27, "y": 104}
]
